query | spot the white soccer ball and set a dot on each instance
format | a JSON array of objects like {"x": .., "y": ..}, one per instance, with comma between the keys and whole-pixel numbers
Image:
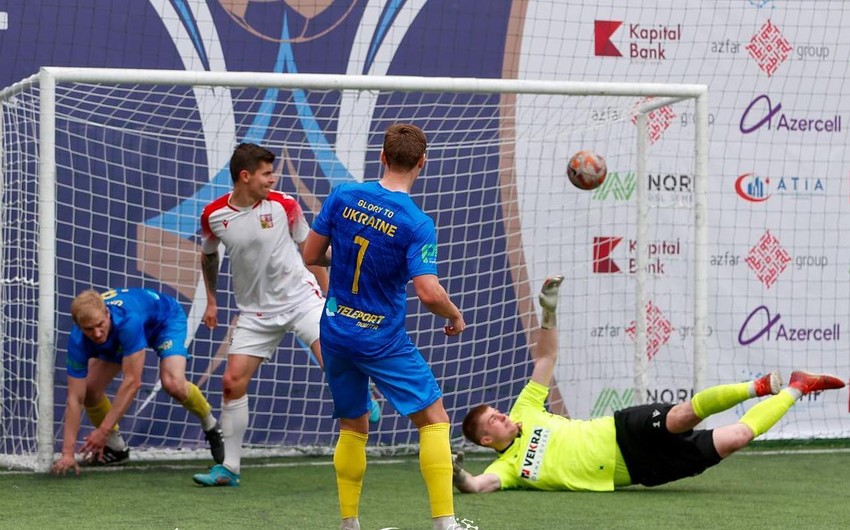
[{"x": 587, "y": 170}]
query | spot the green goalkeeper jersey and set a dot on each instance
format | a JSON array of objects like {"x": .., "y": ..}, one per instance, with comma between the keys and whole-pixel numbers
[{"x": 554, "y": 452}]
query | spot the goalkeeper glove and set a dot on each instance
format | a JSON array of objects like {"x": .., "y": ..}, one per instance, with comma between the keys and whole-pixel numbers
[
  {"x": 457, "y": 467},
  {"x": 549, "y": 299}
]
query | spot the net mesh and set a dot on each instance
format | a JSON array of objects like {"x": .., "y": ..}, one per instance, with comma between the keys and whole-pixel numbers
[{"x": 137, "y": 163}]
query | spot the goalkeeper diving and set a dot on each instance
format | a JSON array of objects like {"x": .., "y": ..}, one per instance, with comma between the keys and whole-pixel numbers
[{"x": 648, "y": 444}]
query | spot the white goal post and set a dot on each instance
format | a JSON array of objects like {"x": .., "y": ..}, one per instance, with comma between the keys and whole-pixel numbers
[{"x": 104, "y": 173}]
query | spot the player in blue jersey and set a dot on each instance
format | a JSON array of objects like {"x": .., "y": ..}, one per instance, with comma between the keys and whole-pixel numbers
[
  {"x": 648, "y": 444},
  {"x": 110, "y": 334},
  {"x": 376, "y": 239}
]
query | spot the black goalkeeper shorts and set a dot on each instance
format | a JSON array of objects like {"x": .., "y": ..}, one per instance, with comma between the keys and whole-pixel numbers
[{"x": 655, "y": 456}]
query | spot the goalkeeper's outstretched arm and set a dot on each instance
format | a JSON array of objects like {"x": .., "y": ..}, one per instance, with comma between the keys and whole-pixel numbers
[
  {"x": 544, "y": 357},
  {"x": 466, "y": 482},
  {"x": 545, "y": 354}
]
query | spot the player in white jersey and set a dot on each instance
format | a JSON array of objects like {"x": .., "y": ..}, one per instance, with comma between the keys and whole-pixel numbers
[{"x": 261, "y": 229}]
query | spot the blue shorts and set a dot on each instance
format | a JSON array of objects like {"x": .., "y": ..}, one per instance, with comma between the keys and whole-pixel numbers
[
  {"x": 403, "y": 377},
  {"x": 169, "y": 338}
]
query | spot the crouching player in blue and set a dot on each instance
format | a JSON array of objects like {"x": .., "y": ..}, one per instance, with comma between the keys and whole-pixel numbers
[
  {"x": 648, "y": 444},
  {"x": 110, "y": 334}
]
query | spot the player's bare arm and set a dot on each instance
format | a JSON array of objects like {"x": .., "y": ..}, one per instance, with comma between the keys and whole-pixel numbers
[
  {"x": 436, "y": 300},
  {"x": 131, "y": 368},
  {"x": 319, "y": 271},
  {"x": 315, "y": 250},
  {"x": 73, "y": 413},
  {"x": 545, "y": 354},
  {"x": 209, "y": 268}
]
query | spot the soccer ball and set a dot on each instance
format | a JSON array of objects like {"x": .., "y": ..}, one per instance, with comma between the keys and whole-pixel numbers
[{"x": 587, "y": 170}]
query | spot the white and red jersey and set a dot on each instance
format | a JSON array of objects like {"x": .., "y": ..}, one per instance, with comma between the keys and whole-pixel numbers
[{"x": 267, "y": 270}]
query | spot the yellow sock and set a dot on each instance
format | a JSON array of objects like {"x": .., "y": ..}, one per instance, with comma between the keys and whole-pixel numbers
[
  {"x": 97, "y": 412},
  {"x": 350, "y": 466},
  {"x": 719, "y": 398},
  {"x": 196, "y": 403},
  {"x": 764, "y": 415},
  {"x": 435, "y": 462}
]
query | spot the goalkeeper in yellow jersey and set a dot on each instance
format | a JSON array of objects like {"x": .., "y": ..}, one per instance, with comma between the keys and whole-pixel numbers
[{"x": 648, "y": 444}]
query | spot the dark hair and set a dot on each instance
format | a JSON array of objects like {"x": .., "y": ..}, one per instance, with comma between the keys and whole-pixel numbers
[
  {"x": 404, "y": 145},
  {"x": 248, "y": 157},
  {"x": 470, "y": 424}
]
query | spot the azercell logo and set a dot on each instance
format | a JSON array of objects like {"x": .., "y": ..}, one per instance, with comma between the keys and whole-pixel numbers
[
  {"x": 763, "y": 113},
  {"x": 770, "y": 327}
]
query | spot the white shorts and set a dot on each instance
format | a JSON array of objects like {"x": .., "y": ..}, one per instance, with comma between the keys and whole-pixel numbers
[{"x": 259, "y": 336}]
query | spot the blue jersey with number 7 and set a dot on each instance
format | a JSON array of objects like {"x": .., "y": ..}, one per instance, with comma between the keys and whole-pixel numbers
[{"x": 380, "y": 239}]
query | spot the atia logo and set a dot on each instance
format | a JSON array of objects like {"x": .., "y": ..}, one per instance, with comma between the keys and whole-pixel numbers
[{"x": 753, "y": 188}]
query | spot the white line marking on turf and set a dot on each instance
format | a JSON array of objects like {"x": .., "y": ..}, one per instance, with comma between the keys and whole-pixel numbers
[{"x": 152, "y": 466}]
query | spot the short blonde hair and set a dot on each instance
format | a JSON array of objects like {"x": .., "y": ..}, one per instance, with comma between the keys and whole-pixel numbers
[{"x": 88, "y": 302}]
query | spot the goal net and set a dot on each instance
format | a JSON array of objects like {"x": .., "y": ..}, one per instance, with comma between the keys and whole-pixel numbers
[{"x": 105, "y": 173}]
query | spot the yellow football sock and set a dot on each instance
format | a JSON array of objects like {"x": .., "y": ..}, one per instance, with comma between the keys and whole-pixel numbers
[
  {"x": 196, "y": 403},
  {"x": 350, "y": 466},
  {"x": 719, "y": 398},
  {"x": 764, "y": 415},
  {"x": 435, "y": 463},
  {"x": 97, "y": 412}
]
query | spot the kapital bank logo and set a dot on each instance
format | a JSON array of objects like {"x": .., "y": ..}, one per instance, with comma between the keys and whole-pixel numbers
[
  {"x": 602, "y": 248},
  {"x": 603, "y": 261},
  {"x": 602, "y": 32},
  {"x": 645, "y": 42},
  {"x": 762, "y": 112}
]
